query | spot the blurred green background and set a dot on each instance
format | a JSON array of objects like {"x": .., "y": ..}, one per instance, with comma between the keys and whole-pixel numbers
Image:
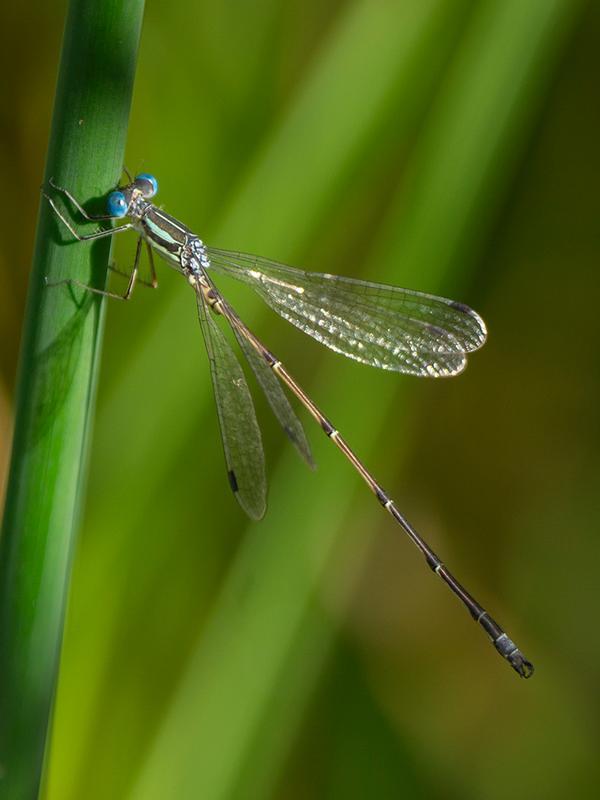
[{"x": 445, "y": 145}]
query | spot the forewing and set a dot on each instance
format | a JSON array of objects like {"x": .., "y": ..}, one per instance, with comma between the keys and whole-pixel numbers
[
  {"x": 384, "y": 326},
  {"x": 240, "y": 434}
]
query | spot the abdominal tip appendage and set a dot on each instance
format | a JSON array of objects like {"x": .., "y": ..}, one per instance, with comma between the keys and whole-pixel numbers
[
  {"x": 509, "y": 650},
  {"x": 519, "y": 663}
]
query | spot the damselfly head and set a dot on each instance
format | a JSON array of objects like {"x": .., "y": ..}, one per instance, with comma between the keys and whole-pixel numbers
[{"x": 119, "y": 202}]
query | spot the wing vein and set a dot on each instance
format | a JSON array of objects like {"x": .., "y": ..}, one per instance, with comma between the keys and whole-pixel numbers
[{"x": 383, "y": 326}]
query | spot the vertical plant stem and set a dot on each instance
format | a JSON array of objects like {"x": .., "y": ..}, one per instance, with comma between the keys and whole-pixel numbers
[{"x": 56, "y": 386}]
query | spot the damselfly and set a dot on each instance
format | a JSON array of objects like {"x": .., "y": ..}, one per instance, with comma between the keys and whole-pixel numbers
[{"x": 384, "y": 326}]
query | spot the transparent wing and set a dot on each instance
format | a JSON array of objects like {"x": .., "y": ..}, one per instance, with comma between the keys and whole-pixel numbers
[
  {"x": 240, "y": 433},
  {"x": 277, "y": 400},
  {"x": 384, "y": 326}
]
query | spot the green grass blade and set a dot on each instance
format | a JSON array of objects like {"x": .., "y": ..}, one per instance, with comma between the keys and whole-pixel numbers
[{"x": 57, "y": 384}]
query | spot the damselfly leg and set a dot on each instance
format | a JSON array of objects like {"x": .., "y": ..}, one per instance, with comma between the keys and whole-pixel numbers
[
  {"x": 132, "y": 276},
  {"x": 74, "y": 202}
]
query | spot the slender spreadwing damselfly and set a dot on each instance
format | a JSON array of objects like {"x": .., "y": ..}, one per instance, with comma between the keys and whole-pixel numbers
[{"x": 384, "y": 326}]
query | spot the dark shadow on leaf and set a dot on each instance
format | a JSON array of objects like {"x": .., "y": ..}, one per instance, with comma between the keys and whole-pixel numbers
[{"x": 57, "y": 364}]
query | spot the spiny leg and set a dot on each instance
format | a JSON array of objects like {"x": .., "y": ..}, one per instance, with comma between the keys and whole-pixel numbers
[
  {"x": 152, "y": 283},
  {"x": 73, "y": 200},
  {"x": 103, "y": 292},
  {"x": 153, "y": 279},
  {"x": 90, "y": 236}
]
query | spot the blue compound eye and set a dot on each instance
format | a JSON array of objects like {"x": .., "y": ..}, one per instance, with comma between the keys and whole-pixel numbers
[
  {"x": 116, "y": 205},
  {"x": 149, "y": 185}
]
